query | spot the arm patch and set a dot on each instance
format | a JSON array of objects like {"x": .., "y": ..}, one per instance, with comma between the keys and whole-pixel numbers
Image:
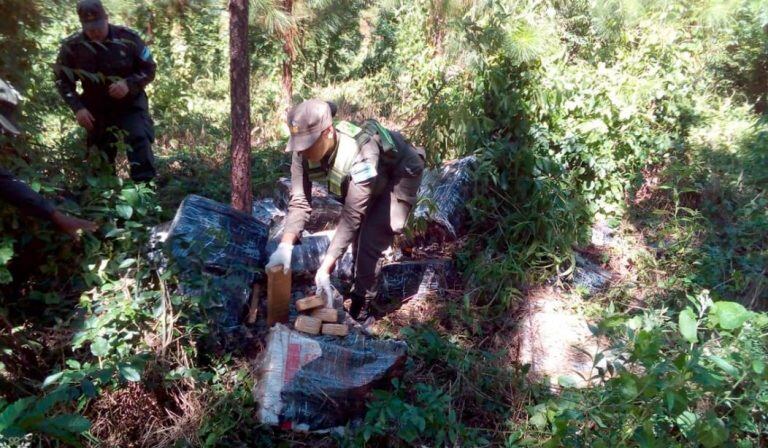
[
  {"x": 145, "y": 55},
  {"x": 362, "y": 172}
]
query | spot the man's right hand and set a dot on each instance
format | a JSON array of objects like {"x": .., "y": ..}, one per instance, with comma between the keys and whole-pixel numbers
[
  {"x": 281, "y": 257},
  {"x": 85, "y": 119}
]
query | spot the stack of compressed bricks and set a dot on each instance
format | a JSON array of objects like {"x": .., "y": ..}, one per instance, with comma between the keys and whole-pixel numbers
[{"x": 315, "y": 319}]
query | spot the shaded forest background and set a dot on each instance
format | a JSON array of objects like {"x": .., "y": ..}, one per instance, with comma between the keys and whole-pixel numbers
[{"x": 648, "y": 116}]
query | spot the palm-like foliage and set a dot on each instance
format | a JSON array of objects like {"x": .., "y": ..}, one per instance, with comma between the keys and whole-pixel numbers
[{"x": 269, "y": 16}]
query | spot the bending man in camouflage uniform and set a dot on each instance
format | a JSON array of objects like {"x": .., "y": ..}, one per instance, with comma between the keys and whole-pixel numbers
[
  {"x": 114, "y": 66},
  {"x": 16, "y": 192},
  {"x": 376, "y": 172}
]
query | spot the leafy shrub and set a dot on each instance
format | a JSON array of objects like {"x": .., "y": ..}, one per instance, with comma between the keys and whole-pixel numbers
[
  {"x": 697, "y": 379},
  {"x": 391, "y": 420}
]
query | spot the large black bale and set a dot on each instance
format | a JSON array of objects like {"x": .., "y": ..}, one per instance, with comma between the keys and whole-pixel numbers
[
  {"x": 441, "y": 211},
  {"x": 312, "y": 383},
  {"x": 219, "y": 252}
]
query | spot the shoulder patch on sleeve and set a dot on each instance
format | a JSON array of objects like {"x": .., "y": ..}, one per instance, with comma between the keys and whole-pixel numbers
[
  {"x": 348, "y": 128},
  {"x": 145, "y": 54},
  {"x": 362, "y": 172}
]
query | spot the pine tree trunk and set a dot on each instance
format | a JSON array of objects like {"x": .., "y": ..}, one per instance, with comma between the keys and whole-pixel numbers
[
  {"x": 290, "y": 54},
  {"x": 239, "y": 72}
]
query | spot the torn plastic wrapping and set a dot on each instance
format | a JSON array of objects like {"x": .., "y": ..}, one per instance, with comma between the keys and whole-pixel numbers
[
  {"x": 443, "y": 195},
  {"x": 414, "y": 279},
  {"x": 155, "y": 246},
  {"x": 311, "y": 383},
  {"x": 589, "y": 275},
  {"x": 266, "y": 212},
  {"x": 326, "y": 210},
  {"x": 220, "y": 252}
]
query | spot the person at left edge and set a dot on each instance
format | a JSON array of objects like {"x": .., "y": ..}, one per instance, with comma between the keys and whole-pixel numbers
[
  {"x": 113, "y": 66},
  {"x": 16, "y": 192}
]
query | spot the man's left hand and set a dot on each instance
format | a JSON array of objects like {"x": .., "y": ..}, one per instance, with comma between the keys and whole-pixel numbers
[{"x": 118, "y": 90}]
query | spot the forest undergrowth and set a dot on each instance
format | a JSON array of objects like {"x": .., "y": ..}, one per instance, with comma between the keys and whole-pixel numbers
[{"x": 647, "y": 116}]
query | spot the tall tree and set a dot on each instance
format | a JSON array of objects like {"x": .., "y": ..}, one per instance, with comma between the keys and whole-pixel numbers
[
  {"x": 239, "y": 73},
  {"x": 290, "y": 55}
]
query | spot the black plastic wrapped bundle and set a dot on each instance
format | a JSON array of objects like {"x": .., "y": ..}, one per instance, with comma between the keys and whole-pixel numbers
[
  {"x": 326, "y": 210},
  {"x": 311, "y": 383},
  {"x": 220, "y": 252},
  {"x": 443, "y": 195},
  {"x": 414, "y": 279}
]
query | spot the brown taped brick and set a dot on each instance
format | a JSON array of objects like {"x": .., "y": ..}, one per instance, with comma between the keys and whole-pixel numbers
[
  {"x": 329, "y": 315},
  {"x": 309, "y": 303},
  {"x": 335, "y": 329},
  {"x": 308, "y": 324}
]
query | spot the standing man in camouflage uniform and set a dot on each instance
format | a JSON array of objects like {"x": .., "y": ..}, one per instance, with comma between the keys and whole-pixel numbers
[
  {"x": 376, "y": 172},
  {"x": 16, "y": 192},
  {"x": 113, "y": 66}
]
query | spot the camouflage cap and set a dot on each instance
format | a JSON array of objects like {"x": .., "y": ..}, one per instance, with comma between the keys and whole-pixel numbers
[
  {"x": 92, "y": 14},
  {"x": 9, "y": 100},
  {"x": 306, "y": 122}
]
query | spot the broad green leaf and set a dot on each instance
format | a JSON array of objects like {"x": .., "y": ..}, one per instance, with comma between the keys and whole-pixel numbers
[
  {"x": 131, "y": 196},
  {"x": 124, "y": 211},
  {"x": 51, "y": 379},
  {"x": 71, "y": 423},
  {"x": 421, "y": 423},
  {"x": 628, "y": 386},
  {"x": 6, "y": 253},
  {"x": 13, "y": 412},
  {"x": 73, "y": 364},
  {"x": 712, "y": 432},
  {"x": 127, "y": 263},
  {"x": 130, "y": 373},
  {"x": 48, "y": 401},
  {"x": 114, "y": 232},
  {"x": 729, "y": 315},
  {"x": 635, "y": 323},
  {"x": 539, "y": 420},
  {"x": 758, "y": 366},
  {"x": 100, "y": 347},
  {"x": 598, "y": 421},
  {"x": 566, "y": 381},
  {"x": 89, "y": 389},
  {"x": 686, "y": 421},
  {"x": 724, "y": 365},
  {"x": 688, "y": 325}
]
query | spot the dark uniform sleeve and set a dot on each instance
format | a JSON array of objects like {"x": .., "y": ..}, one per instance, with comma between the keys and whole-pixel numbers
[
  {"x": 17, "y": 193},
  {"x": 143, "y": 64},
  {"x": 299, "y": 206},
  {"x": 65, "y": 78},
  {"x": 355, "y": 204}
]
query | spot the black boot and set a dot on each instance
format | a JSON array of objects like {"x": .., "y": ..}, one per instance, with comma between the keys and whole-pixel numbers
[
  {"x": 361, "y": 311},
  {"x": 358, "y": 303}
]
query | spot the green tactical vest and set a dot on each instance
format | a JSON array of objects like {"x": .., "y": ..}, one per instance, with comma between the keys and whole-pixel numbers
[{"x": 351, "y": 139}]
